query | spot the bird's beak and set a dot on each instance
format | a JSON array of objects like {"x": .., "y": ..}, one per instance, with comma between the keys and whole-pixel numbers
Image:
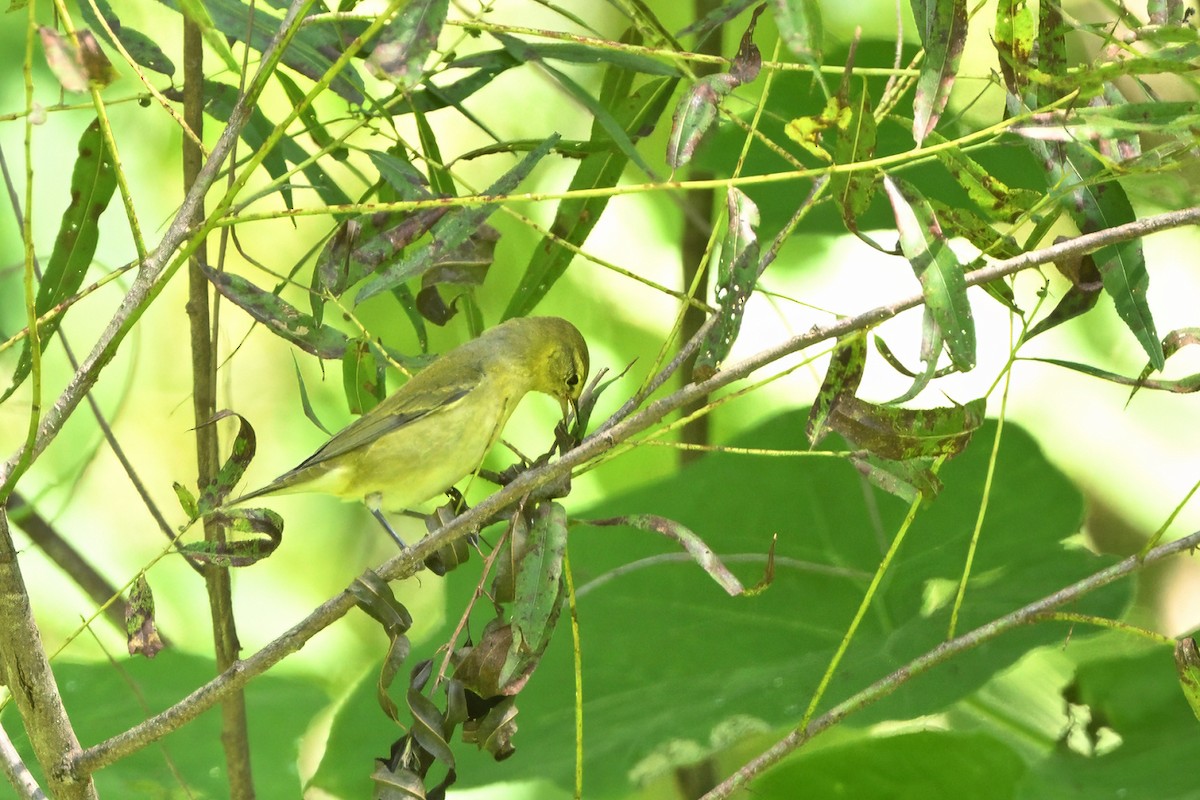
[{"x": 567, "y": 404}]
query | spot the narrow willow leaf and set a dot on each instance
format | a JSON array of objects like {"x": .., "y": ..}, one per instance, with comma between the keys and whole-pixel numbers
[
  {"x": 93, "y": 181},
  {"x": 855, "y": 142},
  {"x": 637, "y": 112},
  {"x": 937, "y": 268},
  {"x": 1187, "y": 664},
  {"x": 406, "y": 42},
  {"x": 310, "y": 51},
  {"x": 932, "y": 343},
  {"x": 362, "y": 377},
  {"x": 908, "y": 479},
  {"x": 76, "y": 68},
  {"x": 452, "y": 230},
  {"x": 571, "y": 52},
  {"x": 1013, "y": 39},
  {"x": 405, "y": 180},
  {"x": 1173, "y": 342},
  {"x": 187, "y": 500},
  {"x": 305, "y": 402},
  {"x": 141, "y": 633},
  {"x": 945, "y": 33},
  {"x": 737, "y": 275},
  {"x": 996, "y": 199},
  {"x": 241, "y": 453},
  {"x": 539, "y": 591},
  {"x": 197, "y": 13},
  {"x": 716, "y": 18},
  {"x": 1112, "y": 121},
  {"x": 429, "y": 727},
  {"x": 616, "y": 132},
  {"x": 1085, "y": 291},
  {"x": 841, "y": 380},
  {"x": 800, "y": 27},
  {"x": 312, "y": 124},
  {"x": 697, "y": 109},
  {"x": 280, "y": 317},
  {"x": 262, "y": 525},
  {"x": 141, "y": 48},
  {"x": 902, "y": 433}
]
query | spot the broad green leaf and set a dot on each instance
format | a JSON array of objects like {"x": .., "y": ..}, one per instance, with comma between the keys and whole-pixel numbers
[
  {"x": 737, "y": 276},
  {"x": 141, "y": 48},
  {"x": 406, "y": 41},
  {"x": 841, "y": 380},
  {"x": 454, "y": 228},
  {"x": 800, "y": 28},
  {"x": 1013, "y": 39},
  {"x": 937, "y": 268},
  {"x": 93, "y": 181},
  {"x": 904, "y": 433},
  {"x": 280, "y": 317},
  {"x": 106, "y": 701},
  {"x": 943, "y": 34},
  {"x": 638, "y": 112},
  {"x": 700, "y": 667}
]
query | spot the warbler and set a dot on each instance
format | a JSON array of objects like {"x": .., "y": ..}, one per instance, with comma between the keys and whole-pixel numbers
[{"x": 436, "y": 428}]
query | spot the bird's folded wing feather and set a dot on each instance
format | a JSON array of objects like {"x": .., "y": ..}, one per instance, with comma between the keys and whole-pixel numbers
[{"x": 388, "y": 417}]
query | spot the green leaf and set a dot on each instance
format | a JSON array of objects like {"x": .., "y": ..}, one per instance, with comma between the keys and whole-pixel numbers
[
  {"x": 281, "y": 318},
  {"x": 93, "y": 181},
  {"x": 539, "y": 592},
  {"x": 363, "y": 377},
  {"x": 841, "y": 380},
  {"x": 800, "y": 28},
  {"x": 141, "y": 48},
  {"x": 935, "y": 265},
  {"x": 737, "y": 276},
  {"x": 241, "y": 453},
  {"x": 637, "y": 112},
  {"x": 943, "y": 27},
  {"x": 107, "y": 701},
  {"x": 198, "y": 15},
  {"x": 1013, "y": 39},
  {"x": 854, "y": 142},
  {"x": 406, "y": 41},
  {"x": 455, "y": 228},
  {"x": 904, "y": 433},
  {"x": 1111, "y": 121},
  {"x": 1187, "y": 664},
  {"x": 141, "y": 633},
  {"x": 517, "y": 52}
]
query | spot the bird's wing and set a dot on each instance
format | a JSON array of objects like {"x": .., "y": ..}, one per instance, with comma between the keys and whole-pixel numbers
[{"x": 402, "y": 408}]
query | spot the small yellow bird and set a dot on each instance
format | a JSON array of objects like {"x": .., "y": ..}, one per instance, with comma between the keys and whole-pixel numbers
[{"x": 436, "y": 428}]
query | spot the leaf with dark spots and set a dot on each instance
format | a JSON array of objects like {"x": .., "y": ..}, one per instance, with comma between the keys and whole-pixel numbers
[
  {"x": 937, "y": 268},
  {"x": 280, "y": 317},
  {"x": 901, "y": 433},
  {"x": 405, "y": 43},
  {"x": 842, "y": 378},
  {"x": 141, "y": 48},
  {"x": 1013, "y": 39},
  {"x": 93, "y": 181},
  {"x": 141, "y": 633},
  {"x": 944, "y": 34},
  {"x": 455, "y": 227},
  {"x": 737, "y": 276},
  {"x": 854, "y": 141},
  {"x": 697, "y": 109},
  {"x": 241, "y": 453},
  {"x": 262, "y": 525}
]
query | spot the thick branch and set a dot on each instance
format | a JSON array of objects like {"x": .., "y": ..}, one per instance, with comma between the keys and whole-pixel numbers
[
  {"x": 26, "y": 672},
  {"x": 410, "y": 561}
]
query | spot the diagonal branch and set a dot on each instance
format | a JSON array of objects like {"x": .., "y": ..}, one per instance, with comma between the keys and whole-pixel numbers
[
  {"x": 410, "y": 561},
  {"x": 147, "y": 284}
]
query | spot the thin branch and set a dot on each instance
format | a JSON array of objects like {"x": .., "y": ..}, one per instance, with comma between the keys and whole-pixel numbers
[
  {"x": 147, "y": 284},
  {"x": 411, "y": 560},
  {"x": 882, "y": 688},
  {"x": 18, "y": 774}
]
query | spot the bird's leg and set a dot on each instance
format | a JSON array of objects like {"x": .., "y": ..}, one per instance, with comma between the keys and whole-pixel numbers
[{"x": 373, "y": 502}]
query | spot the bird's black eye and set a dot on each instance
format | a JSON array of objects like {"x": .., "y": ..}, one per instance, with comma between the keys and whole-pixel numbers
[{"x": 572, "y": 380}]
